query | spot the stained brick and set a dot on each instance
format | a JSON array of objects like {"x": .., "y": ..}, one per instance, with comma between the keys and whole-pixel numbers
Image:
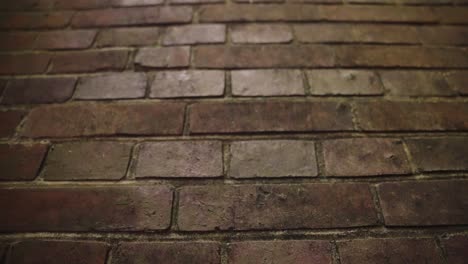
[
  {"x": 455, "y": 247},
  {"x": 73, "y": 39},
  {"x": 269, "y": 117},
  {"x": 38, "y": 90},
  {"x": 21, "y": 162},
  {"x": 391, "y": 250},
  {"x": 55, "y": 252},
  {"x": 195, "y": 34},
  {"x": 344, "y": 82},
  {"x": 17, "y": 40},
  {"x": 112, "y": 86},
  {"x": 137, "y": 2},
  {"x": 10, "y": 120},
  {"x": 170, "y": 57},
  {"x": 167, "y": 252},
  {"x": 26, "y": 63},
  {"x": 261, "y": 33},
  {"x": 424, "y": 203},
  {"x": 89, "y": 61},
  {"x": 35, "y": 20},
  {"x": 254, "y": 207},
  {"x": 180, "y": 159},
  {"x": 411, "y": 116},
  {"x": 170, "y": 84},
  {"x": 123, "y": 208},
  {"x": 128, "y": 37},
  {"x": 267, "y": 82},
  {"x": 87, "y": 119},
  {"x": 273, "y": 158},
  {"x": 439, "y": 154},
  {"x": 287, "y": 251},
  {"x": 345, "y": 157},
  {"x": 416, "y": 83},
  {"x": 91, "y": 160}
]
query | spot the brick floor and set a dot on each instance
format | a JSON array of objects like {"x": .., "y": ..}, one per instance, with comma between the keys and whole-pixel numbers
[{"x": 233, "y": 132}]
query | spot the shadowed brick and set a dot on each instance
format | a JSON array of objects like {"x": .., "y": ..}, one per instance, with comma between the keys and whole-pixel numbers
[
  {"x": 261, "y": 33},
  {"x": 287, "y": 251},
  {"x": 344, "y": 82},
  {"x": 21, "y": 162},
  {"x": 167, "y": 252},
  {"x": 424, "y": 203},
  {"x": 112, "y": 86},
  {"x": 26, "y": 63},
  {"x": 416, "y": 83},
  {"x": 457, "y": 81},
  {"x": 17, "y": 40},
  {"x": 3, "y": 83},
  {"x": 123, "y": 208},
  {"x": 88, "y": 119},
  {"x": 38, "y": 90},
  {"x": 267, "y": 82},
  {"x": 452, "y": 15},
  {"x": 180, "y": 159},
  {"x": 87, "y": 161},
  {"x": 73, "y": 39},
  {"x": 455, "y": 247},
  {"x": 390, "y": 250},
  {"x": 364, "y": 157},
  {"x": 35, "y": 20},
  {"x": 89, "y": 61},
  {"x": 114, "y": 37},
  {"x": 171, "y": 57},
  {"x": 443, "y": 35},
  {"x": 273, "y": 158},
  {"x": 10, "y": 120},
  {"x": 195, "y": 34},
  {"x": 170, "y": 84},
  {"x": 56, "y": 252},
  {"x": 269, "y": 117},
  {"x": 137, "y": 2},
  {"x": 81, "y": 4},
  {"x": 247, "y": 207}
]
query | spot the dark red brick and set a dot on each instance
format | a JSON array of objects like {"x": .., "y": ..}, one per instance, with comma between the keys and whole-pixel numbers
[
  {"x": 269, "y": 117},
  {"x": 87, "y": 119},
  {"x": 10, "y": 120},
  {"x": 89, "y": 61},
  {"x": 35, "y": 20},
  {"x": 25, "y": 5},
  {"x": 123, "y": 208},
  {"x": 81, "y": 4},
  {"x": 21, "y": 162},
  {"x": 57, "y": 252},
  {"x": 26, "y": 63},
  {"x": 424, "y": 203},
  {"x": 455, "y": 247},
  {"x": 38, "y": 90},
  {"x": 17, "y": 40},
  {"x": 128, "y": 37},
  {"x": 65, "y": 39},
  {"x": 257, "y": 207},
  {"x": 167, "y": 252}
]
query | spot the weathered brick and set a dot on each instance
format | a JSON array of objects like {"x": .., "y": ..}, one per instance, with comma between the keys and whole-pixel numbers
[
  {"x": 261, "y": 33},
  {"x": 38, "y": 90},
  {"x": 128, "y": 37},
  {"x": 123, "y": 208},
  {"x": 267, "y": 82},
  {"x": 132, "y": 16},
  {"x": 444, "y": 35},
  {"x": 137, "y": 2},
  {"x": 424, "y": 203},
  {"x": 439, "y": 154},
  {"x": 195, "y": 34},
  {"x": 35, "y": 20},
  {"x": 26, "y": 63},
  {"x": 287, "y": 251},
  {"x": 17, "y": 40},
  {"x": 344, "y": 82},
  {"x": 167, "y": 252},
  {"x": 180, "y": 159},
  {"x": 457, "y": 81},
  {"x": 10, "y": 120},
  {"x": 87, "y": 119},
  {"x": 263, "y": 56},
  {"x": 112, "y": 86},
  {"x": 416, "y": 83},
  {"x": 89, "y": 61},
  {"x": 455, "y": 247},
  {"x": 56, "y": 252},
  {"x": 390, "y": 250},
  {"x": 65, "y": 39},
  {"x": 170, "y": 84},
  {"x": 170, "y": 57},
  {"x": 273, "y": 158},
  {"x": 411, "y": 116},
  {"x": 269, "y": 117},
  {"x": 81, "y": 4},
  {"x": 256, "y": 207},
  {"x": 91, "y": 160},
  {"x": 21, "y": 162},
  {"x": 195, "y": 1},
  {"x": 345, "y": 157}
]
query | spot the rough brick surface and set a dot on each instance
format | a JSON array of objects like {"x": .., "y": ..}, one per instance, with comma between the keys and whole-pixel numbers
[
  {"x": 195, "y": 34},
  {"x": 163, "y": 57},
  {"x": 76, "y": 39},
  {"x": 267, "y": 82},
  {"x": 89, "y": 61},
  {"x": 261, "y": 33},
  {"x": 38, "y": 90},
  {"x": 10, "y": 120},
  {"x": 26, "y": 63},
  {"x": 112, "y": 86},
  {"x": 36, "y": 20},
  {"x": 416, "y": 83},
  {"x": 344, "y": 82},
  {"x": 21, "y": 162},
  {"x": 455, "y": 247},
  {"x": 128, "y": 37}
]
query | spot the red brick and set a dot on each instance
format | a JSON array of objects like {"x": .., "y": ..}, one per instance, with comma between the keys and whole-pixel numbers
[
  {"x": 65, "y": 39},
  {"x": 137, "y": 2},
  {"x": 439, "y": 154},
  {"x": 35, "y": 20},
  {"x": 269, "y": 117},
  {"x": 261, "y": 33},
  {"x": 56, "y": 252},
  {"x": 112, "y": 86},
  {"x": 91, "y": 160},
  {"x": 444, "y": 35},
  {"x": 123, "y": 208},
  {"x": 25, "y": 5},
  {"x": 416, "y": 83},
  {"x": 21, "y": 162},
  {"x": 455, "y": 247},
  {"x": 26, "y": 63},
  {"x": 38, "y": 90},
  {"x": 391, "y": 250},
  {"x": 132, "y": 16},
  {"x": 267, "y": 82},
  {"x": 287, "y": 251},
  {"x": 89, "y": 61},
  {"x": 10, "y": 120},
  {"x": 411, "y": 116},
  {"x": 195, "y": 34},
  {"x": 424, "y": 203},
  {"x": 88, "y": 119},
  {"x": 263, "y": 56},
  {"x": 180, "y": 159},
  {"x": 170, "y": 57},
  {"x": 278, "y": 206},
  {"x": 167, "y": 252},
  {"x": 128, "y": 37},
  {"x": 345, "y": 157},
  {"x": 81, "y": 4},
  {"x": 17, "y": 40},
  {"x": 344, "y": 82}
]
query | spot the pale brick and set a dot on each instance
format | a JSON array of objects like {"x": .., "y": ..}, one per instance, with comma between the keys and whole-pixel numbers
[
  {"x": 195, "y": 34},
  {"x": 112, "y": 86},
  {"x": 261, "y": 33},
  {"x": 344, "y": 82},
  {"x": 267, "y": 82}
]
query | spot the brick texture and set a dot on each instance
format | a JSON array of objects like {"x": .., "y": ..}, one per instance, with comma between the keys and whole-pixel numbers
[
  {"x": 261, "y": 34},
  {"x": 76, "y": 39},
  {"x": 267, "y": 82},
  {"x": 38, "y": 90},
  {"x": 89, "y": 61},
  {"x": 36, "y": 20},
  {"x": 195, "y": 34},
  {"x": 21, "y": 162},
  {"x": 456, "y": 249},
  {"x": 17, "y": 41},
  {"x": 112, "y": 86},
  {"x": 128, "y": 37},
  {"x": 26, "y": 63},
  {"x": 344, "y": 82},
  {"x": 10, "y": 120},
  {"x": 416, "y": 83},
  {"x": 163, "y": 57}
]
